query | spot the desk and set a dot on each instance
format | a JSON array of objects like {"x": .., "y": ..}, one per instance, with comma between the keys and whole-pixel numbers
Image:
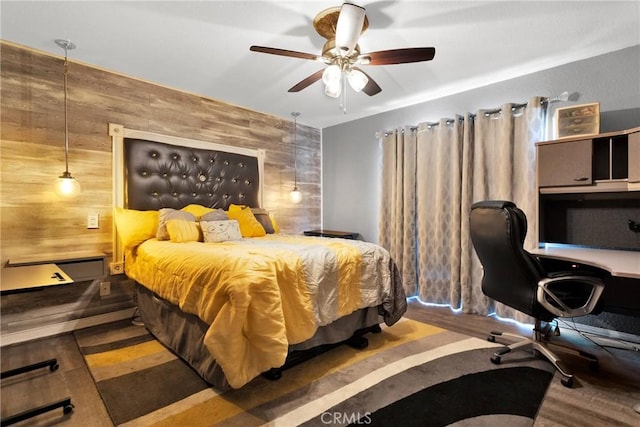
[
  {"x": 618, "y": 263},
  {"x": 622, "y": 283}
]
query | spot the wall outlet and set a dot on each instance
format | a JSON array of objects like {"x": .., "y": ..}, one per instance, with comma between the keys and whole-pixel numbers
[
  {"x": 105, "y": 288},
  {"x": 116, "y": 268},
  {"x": 93, "y": 220}
]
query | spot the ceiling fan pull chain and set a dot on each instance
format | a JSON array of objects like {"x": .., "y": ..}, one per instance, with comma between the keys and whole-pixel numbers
[{"x": 343, "y": 98}]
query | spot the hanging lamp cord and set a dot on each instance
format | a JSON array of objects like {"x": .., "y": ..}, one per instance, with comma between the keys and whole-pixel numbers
[
  {"x": 295, "y": 149},
  {"x": 66, "y": 126}
]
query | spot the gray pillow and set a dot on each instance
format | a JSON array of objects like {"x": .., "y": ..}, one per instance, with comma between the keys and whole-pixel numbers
[
  {"x": 262, "y": 215},
  {"x": 164, "y": 215},
  {"x": 215, "y": 215}
]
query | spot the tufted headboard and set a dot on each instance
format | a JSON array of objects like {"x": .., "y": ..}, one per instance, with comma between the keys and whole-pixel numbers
[
  {"x": 153, "y": 171},
  {"x": 161, "y": 175}
]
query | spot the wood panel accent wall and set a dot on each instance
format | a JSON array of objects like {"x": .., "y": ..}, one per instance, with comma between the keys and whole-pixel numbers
[{"x": 35, "y": 220}]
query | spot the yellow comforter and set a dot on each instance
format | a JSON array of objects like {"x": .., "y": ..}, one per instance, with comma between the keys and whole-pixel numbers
[{"x": 260, "y": 295}]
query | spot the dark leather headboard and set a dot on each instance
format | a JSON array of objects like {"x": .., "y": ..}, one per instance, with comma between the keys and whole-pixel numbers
[{"x": 159, "y": 175}]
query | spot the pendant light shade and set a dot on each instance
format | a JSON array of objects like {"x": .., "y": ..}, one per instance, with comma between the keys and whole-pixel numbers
[
  {"x": 295, "y": 195},
  {"x": 66, "y": 185}
]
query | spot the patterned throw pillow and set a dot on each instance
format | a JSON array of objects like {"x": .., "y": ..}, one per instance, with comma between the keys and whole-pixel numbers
[
  {"x": 249, "y": 225},
  {"x": 221, "y": 231}
]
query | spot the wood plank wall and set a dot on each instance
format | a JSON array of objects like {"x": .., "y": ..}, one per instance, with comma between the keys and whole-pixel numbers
[{"x": 36, "y": 221}]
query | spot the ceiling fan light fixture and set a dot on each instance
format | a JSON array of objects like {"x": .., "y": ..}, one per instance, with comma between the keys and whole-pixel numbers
[
  {"x": 331, "y": 75},
  {"x": 349, "y": 27},
  {"x": 357, "y": 79},
  {"x": 333, "y": 90},
  {"x": 342, "y": 27}
]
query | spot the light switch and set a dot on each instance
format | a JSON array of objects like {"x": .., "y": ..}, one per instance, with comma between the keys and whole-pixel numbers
[{"x": 93, "y": 220}]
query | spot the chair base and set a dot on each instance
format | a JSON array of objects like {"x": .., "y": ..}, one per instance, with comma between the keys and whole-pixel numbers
[{"x": 537, "y": 346}]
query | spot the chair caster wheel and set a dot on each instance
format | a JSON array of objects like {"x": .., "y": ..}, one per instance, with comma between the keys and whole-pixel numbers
[
  {"x": 491, "y": 338},
  {"x": 67, "y": 409},
  {"x": 495, "y": 360},
  {"x": 54, "y": 367},
  {"x": 567, "y": 381}
]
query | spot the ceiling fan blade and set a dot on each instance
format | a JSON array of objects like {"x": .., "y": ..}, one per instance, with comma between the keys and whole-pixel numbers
[
  {"x": 349, "y": 27},
  {"x": 307, "y": 82},
  {"x": 398, "y": 56},
  {"x": 371, "y": 88},
  {"x": 284, "y": 52}
]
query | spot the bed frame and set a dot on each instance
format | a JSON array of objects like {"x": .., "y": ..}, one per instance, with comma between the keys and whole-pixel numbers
[{"x": 153, "y": 171}]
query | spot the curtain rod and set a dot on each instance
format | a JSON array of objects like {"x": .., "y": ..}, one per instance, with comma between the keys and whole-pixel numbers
[
  {"x": 564, "y": 96},
  {"x": 389, "y": 132}
]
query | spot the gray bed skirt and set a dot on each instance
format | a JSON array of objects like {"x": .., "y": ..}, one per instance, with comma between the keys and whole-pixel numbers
[{"x": 184, "y": 333}]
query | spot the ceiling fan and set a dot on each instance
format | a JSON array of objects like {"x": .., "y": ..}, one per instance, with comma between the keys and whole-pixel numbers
[{"x": 342, "y": 27}]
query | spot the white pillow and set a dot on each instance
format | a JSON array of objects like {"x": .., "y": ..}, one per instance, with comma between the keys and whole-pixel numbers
[{"x": 221, "y": 231}]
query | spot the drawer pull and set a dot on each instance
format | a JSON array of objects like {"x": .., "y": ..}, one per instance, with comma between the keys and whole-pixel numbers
[
  {"x": 582, "y": 178},
  {"x": 58, "y": 276}
]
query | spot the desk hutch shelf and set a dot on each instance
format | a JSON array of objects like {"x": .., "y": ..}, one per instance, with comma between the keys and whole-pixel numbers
[{"x": 589, "y": 191}]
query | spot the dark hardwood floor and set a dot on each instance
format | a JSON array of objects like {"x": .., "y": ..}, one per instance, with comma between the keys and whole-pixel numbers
[
  {"x": 42, "y": 386},
  {"x": 599, "y": 398}
]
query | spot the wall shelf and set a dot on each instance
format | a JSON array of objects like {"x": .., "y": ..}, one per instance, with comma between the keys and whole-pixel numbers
[{"x": 80, "y": 266}]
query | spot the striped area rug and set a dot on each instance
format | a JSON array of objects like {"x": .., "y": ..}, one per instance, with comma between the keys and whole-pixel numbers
[{"x": 410, "y": 374}]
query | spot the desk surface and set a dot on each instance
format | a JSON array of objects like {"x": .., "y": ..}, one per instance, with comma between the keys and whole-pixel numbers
[
  {"x": 618, "y": 263},
  {"x": 332, "y": 233}
]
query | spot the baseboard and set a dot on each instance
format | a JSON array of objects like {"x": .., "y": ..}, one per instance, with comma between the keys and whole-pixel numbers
[{"x": 64, "y": 327}]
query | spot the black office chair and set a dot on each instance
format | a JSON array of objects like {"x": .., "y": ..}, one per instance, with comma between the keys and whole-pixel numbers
[{"x": 518, "y": 279}]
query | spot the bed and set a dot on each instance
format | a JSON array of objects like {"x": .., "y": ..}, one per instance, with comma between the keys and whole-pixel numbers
[{"x": 215, "y": 280}]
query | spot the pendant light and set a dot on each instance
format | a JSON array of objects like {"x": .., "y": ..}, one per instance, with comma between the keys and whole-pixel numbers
[
  {"x": 296, "y": 195},
  {"x": 66, "y": 186}
]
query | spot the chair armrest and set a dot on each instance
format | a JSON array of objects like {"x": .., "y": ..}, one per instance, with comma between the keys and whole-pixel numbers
[{"x": 555, "y": 291}]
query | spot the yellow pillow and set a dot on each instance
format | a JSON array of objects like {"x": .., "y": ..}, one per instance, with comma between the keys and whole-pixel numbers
[
  {"x": 276, "y": 228},
  {"x": 135, "y": 227},
  {"x": 197, "y": 210},
  {"x": 249, "y": 225},
  {"x": 181, "y": 231}
]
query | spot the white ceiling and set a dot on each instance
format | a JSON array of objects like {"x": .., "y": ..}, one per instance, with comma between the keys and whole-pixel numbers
[{"x": 203, "y": 46}]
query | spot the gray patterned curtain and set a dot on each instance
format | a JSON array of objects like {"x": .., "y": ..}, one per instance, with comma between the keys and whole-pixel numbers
[
  {"x": 427, "y": 198},
  {"x": 397, "y": 219}
]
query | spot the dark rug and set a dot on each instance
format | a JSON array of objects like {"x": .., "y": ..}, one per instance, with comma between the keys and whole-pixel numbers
[{"x": 411, "y": 374}]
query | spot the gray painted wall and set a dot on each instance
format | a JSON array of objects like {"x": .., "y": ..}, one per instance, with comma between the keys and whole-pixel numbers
[{"x": 351, "y": 155}]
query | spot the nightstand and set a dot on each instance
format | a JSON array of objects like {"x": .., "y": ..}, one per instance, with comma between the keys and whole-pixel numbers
[{"x": 332, "y": 233}]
